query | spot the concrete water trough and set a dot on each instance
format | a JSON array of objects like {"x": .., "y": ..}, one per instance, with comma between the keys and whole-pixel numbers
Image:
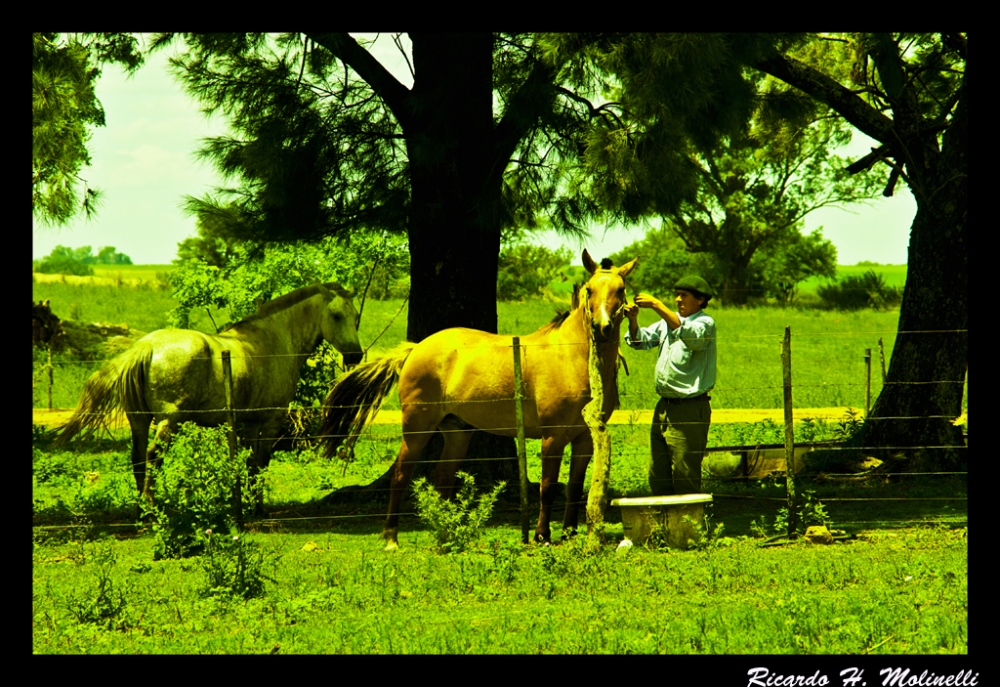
[{"x": 641, "y": 516}]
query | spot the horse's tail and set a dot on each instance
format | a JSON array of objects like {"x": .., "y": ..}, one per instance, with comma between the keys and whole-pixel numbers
[
  {"x": 356, "y": 397},
  {"x": 116, "y": 388}
]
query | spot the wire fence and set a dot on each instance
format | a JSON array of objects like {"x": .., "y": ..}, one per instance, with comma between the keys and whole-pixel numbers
[{"x": 647, "y": 399}]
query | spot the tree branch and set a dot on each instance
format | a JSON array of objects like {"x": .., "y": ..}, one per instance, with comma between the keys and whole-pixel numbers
[
  {"x": 523, "y": 111},
  {"x": 394, "y": 94},
  {"x": 828, "y": 91}
]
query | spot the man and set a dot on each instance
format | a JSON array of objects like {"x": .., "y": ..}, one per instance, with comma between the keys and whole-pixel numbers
[{"x": 685, "y": 373}]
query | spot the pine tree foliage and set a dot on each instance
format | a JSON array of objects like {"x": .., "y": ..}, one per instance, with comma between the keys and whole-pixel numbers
[
  {"x": 64, "y": 108},
  {"x": 500, "y": 133}
]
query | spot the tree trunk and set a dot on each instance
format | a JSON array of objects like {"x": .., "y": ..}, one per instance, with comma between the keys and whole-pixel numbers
[
  {"x": 454, "y": 230},
  {"x": 454, "y": 223},
  {"x": 925, "y": 381}
]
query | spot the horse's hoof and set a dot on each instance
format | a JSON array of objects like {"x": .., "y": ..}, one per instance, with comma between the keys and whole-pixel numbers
[{"x": 391, "y": 546}]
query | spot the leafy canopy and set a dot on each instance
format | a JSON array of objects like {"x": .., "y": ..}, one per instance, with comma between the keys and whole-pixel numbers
[{"x": 64, "y": 108}]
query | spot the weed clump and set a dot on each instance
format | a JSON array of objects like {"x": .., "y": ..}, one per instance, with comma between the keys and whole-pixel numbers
[
  {"x": 456, "y": 524},
  {"x": 194, "y": 491}
]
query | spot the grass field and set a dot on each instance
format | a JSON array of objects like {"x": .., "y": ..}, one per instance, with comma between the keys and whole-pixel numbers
[{"x": 900, "y": 586}]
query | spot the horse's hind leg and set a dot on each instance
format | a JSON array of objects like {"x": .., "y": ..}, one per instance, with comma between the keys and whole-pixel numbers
[
  {"x": 457, "y": 436},
  {"x": 414, "y": 441},
  {"x": 140, "y": 440},
  {"x": 583, "y": 449}
]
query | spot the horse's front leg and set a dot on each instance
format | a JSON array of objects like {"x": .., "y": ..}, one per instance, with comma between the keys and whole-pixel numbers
[
  {"x": 552, "y": 453},
  {"x": 583, "y": 449}
]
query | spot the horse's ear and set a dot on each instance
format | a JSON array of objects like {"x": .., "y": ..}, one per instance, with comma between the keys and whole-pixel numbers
[
  {"x": 325, "y": 291},
  {"x": 588, "y": 262},
  {"x": 348, "y": 293},
  {"x": 628, "y": 267}
]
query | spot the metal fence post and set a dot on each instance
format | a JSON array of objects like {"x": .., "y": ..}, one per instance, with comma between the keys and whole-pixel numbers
[{"x": 522, "y": 458}]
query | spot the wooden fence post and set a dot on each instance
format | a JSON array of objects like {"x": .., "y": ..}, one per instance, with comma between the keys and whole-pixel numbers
[
  {"x": 786, "y": 370},
  {"x": 868, "y": 380},
  {"x": 49, "y": 347},
  {"x": 227, "y": 377},
  {"x": 881, "y": 357},
  {"x": 522, "y": 458}
]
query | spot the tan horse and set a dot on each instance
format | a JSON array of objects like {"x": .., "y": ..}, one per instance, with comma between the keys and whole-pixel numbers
[
  {"x": 175, "y": 375},
  {"x": 457, "y": 380}
]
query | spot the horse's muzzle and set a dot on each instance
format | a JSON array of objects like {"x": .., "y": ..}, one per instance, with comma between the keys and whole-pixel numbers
[
  {"x": 602, "y": 334},
  {"x": 352, "y": 358}
]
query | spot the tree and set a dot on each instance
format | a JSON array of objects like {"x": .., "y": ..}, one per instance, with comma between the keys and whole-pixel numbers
[
  {"x": 64, "y": 107},
  {"x": 253, "y": 272},
  {"x": 774, "y": 271},
  {"x": 664, "y": 259},
  {"x": 494, "y": 133},
  {"x": 63, "y": 260},
  {"x": 754, "y": 191},
  {"x": 526, "y": 269},
  {"x": 214, "y": 245},
  {"x": 909, "y": 92}
]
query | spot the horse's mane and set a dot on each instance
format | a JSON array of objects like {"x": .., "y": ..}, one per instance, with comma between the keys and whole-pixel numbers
[
  {"x": 288, "y": 300},
  {"x": 561, "y": 316}
]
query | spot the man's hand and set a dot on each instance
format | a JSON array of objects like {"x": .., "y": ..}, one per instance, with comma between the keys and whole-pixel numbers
[
  {"x": 632, "y": 312},
  {"x": 644, "y": 300}
]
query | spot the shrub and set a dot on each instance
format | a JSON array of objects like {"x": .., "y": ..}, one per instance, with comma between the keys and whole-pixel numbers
[
  {"x": 194, "y": 490},
  {"x": 854, "y": 292},
  {"x": 61, "y": 265},
  {"x": 107, "y": 603},
  {"x": 233, "y": 565},
  {"x": 456, "y": 524}
]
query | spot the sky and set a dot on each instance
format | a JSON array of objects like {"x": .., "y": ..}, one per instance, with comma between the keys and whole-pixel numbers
[{"x": 144, "y": 161}]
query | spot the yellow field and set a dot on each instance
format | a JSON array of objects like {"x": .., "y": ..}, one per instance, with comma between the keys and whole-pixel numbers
[{"x": 620, "y": 417}]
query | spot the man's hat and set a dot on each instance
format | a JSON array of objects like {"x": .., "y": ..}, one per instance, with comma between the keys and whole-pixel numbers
[{"x": 693, "y": 282}]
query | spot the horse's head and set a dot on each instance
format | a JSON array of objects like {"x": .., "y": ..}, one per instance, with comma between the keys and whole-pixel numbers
[
  {"x": 605, "y": 296},
  {"x": 340, "y": 323}
]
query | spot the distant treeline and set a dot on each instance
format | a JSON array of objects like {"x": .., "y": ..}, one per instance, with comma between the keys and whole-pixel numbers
[{"x": 64, "y": 260}]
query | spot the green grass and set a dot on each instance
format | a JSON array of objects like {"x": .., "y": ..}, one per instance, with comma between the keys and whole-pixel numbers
[
  {"x": 827, "y": 347},
  {"x": 899, "y": 588},
  {"x": 337, "y": 592},
  {"x": 894, "y": 275}
]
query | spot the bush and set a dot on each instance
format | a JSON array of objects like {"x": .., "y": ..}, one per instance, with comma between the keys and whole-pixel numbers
[
  {"x": 194, "y": 490},
  {"x": 524, "y": 270},
  {"x": 62, "y": 265},
  {"x": 233, "y": 565},
  {"x": 857, "y": 292},
  {"x": 456, "y": 524}
]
